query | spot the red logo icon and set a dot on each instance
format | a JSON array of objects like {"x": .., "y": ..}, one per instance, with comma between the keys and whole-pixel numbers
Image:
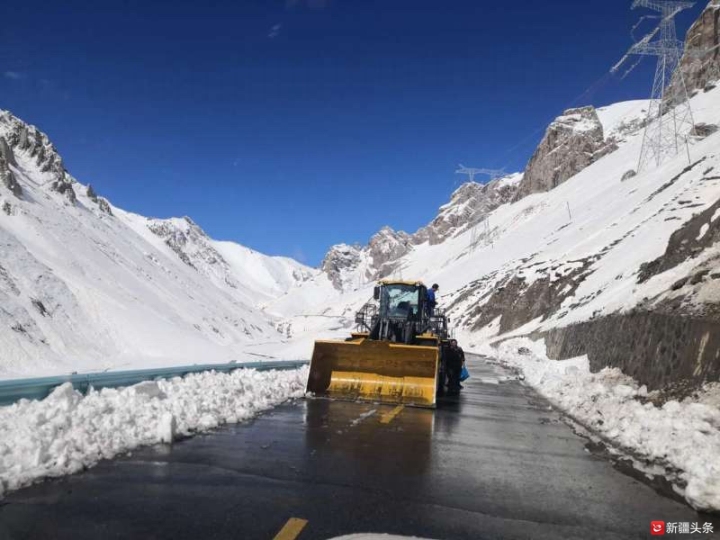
[{"x": 657, "y": 528}]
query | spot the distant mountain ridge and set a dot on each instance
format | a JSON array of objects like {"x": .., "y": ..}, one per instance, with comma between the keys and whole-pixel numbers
[
  {"x": 86, "y": 284},
  {"x": 350, "y": 266},
  {"x": 580, "y": 249}
]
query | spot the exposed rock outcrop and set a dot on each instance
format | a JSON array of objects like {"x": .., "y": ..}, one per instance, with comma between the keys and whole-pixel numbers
[
  {"x": 21, "y": 137},
  {"x": 700, "y": 64},
  {"x": 7, "y": 178},
  {"x": 6, "y": 152},
  {"x": 188, "y": 241},
  {"x": 515, "y": 300},
  {"x": 104, "y": 206},
  {"x": 688, "y": 242},
  {"x": 346, "y": 265},
  {"x": 384, "y": 249},
  {"x": 340, "y": 260},
  {"x": 469, "y": 205},
  {"x": 571, "y": 143},
  {"x": 64, "y": 186},
  {"x": 17, "y": 136},
  {"x": 102, "y": 203}
]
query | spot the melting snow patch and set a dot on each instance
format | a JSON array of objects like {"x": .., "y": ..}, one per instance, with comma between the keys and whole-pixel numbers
[
  {"x": 67, "y": 432},
  {"x": 684, "y": 435},
  {"x": 703, "y": 231},
  {"x": 363, "y": 417}
]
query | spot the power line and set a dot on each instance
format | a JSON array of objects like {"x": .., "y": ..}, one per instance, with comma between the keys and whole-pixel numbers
[
  {"x": 669, "y": 121},
  {"x": 493, "y": 174},
  {"x": 472, "y": 172}
]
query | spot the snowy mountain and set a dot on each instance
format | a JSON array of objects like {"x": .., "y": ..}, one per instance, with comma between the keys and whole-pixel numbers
[
  {"x": 580, "y": 257},
  {"x": 85, "y": 285},
  {"x": 349, "y": 267},
  {"x": 579, "y": 249},
  {"x": 252, "y": 276},
  {"x": 608, "y": 262}
]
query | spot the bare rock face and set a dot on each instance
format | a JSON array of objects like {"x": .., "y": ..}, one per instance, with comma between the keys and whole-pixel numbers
[
  {"x": 339, "y": 261},
  {"x": 571, "y": 143},
  {"x": 6, "y": 152},
  {"x": 92, "y": 195},
  {"x": 469, "y": 204},
  {"x": 385, "y": 248},
  {"x": 7, "y": 178},
  {"x": 37, "y": 144},
  {"x": 21, "y": 137},
  {"x": 104, "y": 206},
  {"x": 188, "y": 241},
  {"x": 102, "y": 203},
  {"x": 64, "y": 186},
  {"x": 346, "y": 265},
  {"x": 700, "y": 64}
]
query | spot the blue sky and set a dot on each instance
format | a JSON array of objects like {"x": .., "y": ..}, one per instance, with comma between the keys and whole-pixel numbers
[{"x": 289, "y": 126}]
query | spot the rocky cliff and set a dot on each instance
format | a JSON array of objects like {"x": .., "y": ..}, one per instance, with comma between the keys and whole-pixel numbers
[
  {"x": 700, "y": 64},
  {"x": 571, "y": 143},
  {"x": 351, "y": 266},
  {"x": 17, "y": 137},
  {"x": 340, "y": 261},
  {"x": 468, "y": 206}
]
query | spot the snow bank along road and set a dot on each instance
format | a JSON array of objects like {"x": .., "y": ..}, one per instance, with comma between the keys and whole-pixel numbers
[
  {"x": 67, "y": 432},
  {"x": 496, "y": 463}
]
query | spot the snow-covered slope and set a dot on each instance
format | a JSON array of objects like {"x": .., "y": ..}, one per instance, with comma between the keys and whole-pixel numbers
[
  {"x": 86, "y": 286},
  {"x": 581, "y": 245}
]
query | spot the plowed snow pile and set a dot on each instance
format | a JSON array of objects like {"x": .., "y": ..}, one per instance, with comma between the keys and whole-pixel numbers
[{"x": 67, "y": 432}]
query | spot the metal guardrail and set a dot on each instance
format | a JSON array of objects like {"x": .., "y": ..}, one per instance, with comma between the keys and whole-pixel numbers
[{"x": 14, "y": 390}]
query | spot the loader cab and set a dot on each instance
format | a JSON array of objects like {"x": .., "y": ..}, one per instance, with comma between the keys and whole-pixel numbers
[
  {"x": 401, "y": 312},
  {"x": 401, "y": 301}
]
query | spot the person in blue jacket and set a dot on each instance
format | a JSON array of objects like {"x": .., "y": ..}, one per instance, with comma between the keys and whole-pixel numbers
[{"x": 431, "y": 301}]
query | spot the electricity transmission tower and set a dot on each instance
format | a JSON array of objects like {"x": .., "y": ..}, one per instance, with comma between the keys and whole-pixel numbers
[
  {"x": 476, "y": 235},
  {"x": 493, "y": 174},
  {"x": 471, "y": 172},
  {"x": 669, "y": 119}
]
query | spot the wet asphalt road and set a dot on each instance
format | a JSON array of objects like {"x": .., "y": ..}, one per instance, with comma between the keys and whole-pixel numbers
[{"x": 495, "y": 464}]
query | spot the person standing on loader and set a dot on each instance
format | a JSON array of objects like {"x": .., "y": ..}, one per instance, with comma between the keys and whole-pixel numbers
[
  {"x": 431, "y": 300},
  {"x": 455, "y": 358}
]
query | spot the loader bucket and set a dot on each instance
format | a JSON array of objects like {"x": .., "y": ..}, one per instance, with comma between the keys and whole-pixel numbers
[{"x": 379, "y": 371}]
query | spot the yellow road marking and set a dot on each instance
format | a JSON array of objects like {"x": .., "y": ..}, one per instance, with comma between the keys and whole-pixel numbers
[
  {"x": 389, "y": 416},
  {"x": 292, "y": 529}
]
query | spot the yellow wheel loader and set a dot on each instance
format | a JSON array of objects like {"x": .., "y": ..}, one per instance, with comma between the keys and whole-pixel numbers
[{"x": 395, "y": 357}]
